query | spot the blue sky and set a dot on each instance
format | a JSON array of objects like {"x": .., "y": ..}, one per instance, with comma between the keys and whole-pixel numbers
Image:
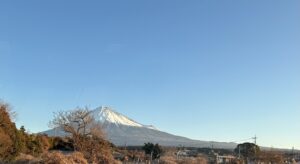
[{"x": 208, "y": 70}]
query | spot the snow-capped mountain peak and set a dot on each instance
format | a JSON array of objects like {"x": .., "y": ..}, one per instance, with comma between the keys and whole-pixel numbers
[
  {"x": 108, "y": 115},
  {"x": 121, "y": 130}
]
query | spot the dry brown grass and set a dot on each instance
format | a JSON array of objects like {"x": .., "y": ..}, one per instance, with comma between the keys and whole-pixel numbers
[
  {"x": 59, "y": 158},
  {"x": 168, "y": 160},
  {"x": 185, "y": 160},
  {"x": 56, "y": 157},
  {"x": 25, "y": 158}
]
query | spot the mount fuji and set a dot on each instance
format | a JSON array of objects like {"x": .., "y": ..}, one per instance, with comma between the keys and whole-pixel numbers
[{"x": 121, "y": 131}]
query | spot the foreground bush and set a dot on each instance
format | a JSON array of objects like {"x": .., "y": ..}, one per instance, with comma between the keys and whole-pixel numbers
[
  {"x": 61, "y": 143},
  {"x": 96, "y": 150},
  {"x": 14, "y": 141},
  {"x": 9, "y": 138}
]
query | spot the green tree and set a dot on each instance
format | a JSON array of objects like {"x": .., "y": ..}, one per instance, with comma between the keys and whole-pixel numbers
[
  {"x": 248, "y": 151},
  {"x": 153, "y": 150},
  {"x": 22, "y": 139}
]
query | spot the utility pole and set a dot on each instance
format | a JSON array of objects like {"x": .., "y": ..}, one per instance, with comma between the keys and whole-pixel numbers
[
  {"x": 293, "y": 156},
  {"x": 254, "y": 138},
  {"x": 239, "y": 151}
]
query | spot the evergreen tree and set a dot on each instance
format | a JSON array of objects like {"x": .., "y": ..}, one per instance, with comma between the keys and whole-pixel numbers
[{"x": 153, "y": 150}]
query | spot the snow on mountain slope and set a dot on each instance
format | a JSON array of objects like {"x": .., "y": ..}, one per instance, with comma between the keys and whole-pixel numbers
[{"x": 107, "y": 114}]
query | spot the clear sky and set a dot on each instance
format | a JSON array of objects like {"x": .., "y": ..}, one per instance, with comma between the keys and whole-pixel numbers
[{"x": 204, "y": 69}]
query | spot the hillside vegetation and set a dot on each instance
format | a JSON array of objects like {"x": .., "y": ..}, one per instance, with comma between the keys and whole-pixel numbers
[{"x": 18, "y": 146}]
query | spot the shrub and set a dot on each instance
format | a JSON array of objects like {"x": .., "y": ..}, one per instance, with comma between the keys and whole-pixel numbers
[
  {"x": 96, "y": 150},
  {"x": 34, "y": 144},
  {"x": 14, "y": 141},
  {"x": 58, "y": 143},
  {"x": 9, "y": 138}
]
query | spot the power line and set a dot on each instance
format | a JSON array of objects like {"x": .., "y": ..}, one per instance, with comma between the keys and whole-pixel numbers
[
  {"x": 243, "y": 140},
  {"x": 252, "y": 138}
]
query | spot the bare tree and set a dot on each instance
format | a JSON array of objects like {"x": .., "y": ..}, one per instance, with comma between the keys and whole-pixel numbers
[
  {"x": 86, "y": 133},
  {"x": 79, "y": 123}
]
